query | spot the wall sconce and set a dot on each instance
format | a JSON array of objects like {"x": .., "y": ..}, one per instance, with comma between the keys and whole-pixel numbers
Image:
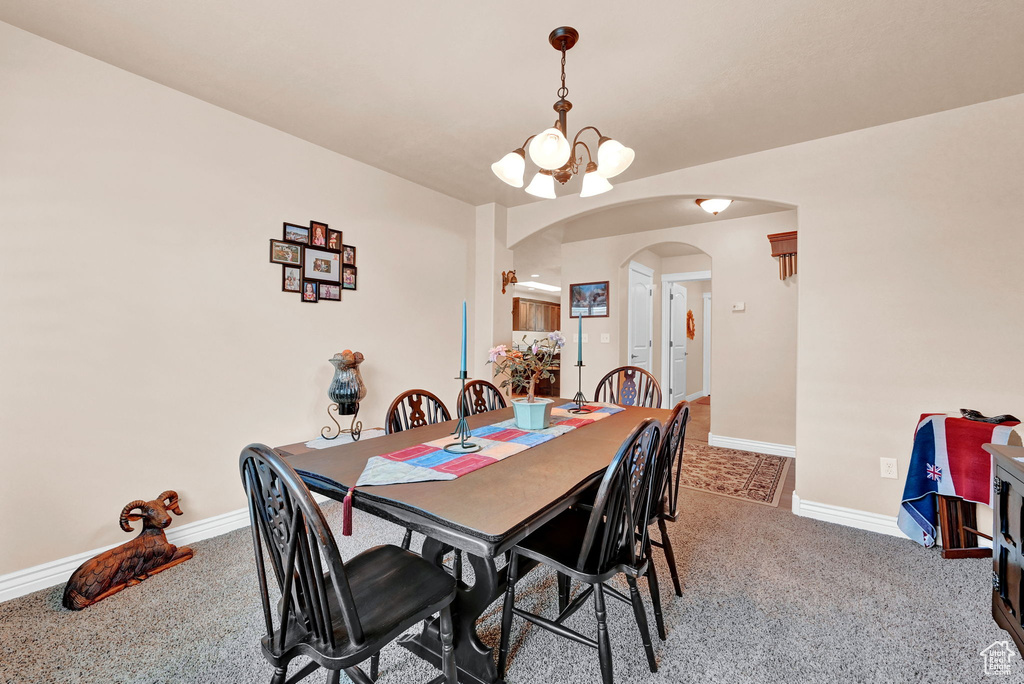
[{"x": 508, "y": 278}]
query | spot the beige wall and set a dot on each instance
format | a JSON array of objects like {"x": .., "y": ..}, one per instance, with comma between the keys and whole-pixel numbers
[
  {"x": 753, "y": 353},
  {"x": 146, "y": 339},
  {"x": 910, "y": 281}
]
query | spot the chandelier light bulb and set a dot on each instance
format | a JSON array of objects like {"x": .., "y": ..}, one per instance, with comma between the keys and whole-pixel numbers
[
  {"x": 542, "y": 185},
  {"x": 713, "y": 206},
  {"x": 593, "y": 182},
  {"x": 511, "y": 168},
  {"x": 549, "y": 149},
  {"x": 613, "y": 157}
]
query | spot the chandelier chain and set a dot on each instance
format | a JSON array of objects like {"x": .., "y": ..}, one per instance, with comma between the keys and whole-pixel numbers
[{"x": 563, "y": 91}]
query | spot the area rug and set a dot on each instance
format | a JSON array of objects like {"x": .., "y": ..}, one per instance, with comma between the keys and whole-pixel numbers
[{"x": 736, "y": 474}]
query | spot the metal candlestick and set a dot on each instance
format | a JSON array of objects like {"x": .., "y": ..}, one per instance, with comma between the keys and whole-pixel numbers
[
  {"x": 579, "y": 399},
  {"x": 462, "y": 428},
  {"x": 356, "y": 429}
]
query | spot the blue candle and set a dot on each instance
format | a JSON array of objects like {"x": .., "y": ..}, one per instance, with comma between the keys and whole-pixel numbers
[
  {"x": 463, "y": 336},
  {"x": 579, "y": 347}
]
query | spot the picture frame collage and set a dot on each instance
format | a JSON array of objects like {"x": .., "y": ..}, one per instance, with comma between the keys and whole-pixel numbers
[{"x": 315, "y": 262}]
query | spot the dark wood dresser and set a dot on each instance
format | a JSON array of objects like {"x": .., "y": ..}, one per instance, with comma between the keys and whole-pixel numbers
[{"x": 1008, "y": 539}]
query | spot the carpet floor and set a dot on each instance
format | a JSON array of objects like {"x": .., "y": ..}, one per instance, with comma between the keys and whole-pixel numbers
[{"x": 768, "y": 597}]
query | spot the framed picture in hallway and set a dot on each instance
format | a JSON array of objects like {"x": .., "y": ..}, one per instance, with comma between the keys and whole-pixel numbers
[{"x": 588, "y": 300}]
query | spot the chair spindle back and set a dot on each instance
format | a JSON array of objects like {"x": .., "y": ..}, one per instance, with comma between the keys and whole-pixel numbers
[
  {"x": 414, "y": 408},
  {"x": 671, "y": 458},
  {"x": 480, "y": 396},
  {"x": 618, "y": 520},
  {"x": 629, "y": 386}
]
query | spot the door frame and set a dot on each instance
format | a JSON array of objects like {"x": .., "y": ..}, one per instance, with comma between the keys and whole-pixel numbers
[
  {"x": 666, "y": 360},
  {"x": 666, "y": 334},
  {"x": 636, "y": 267},
  {"x": 706, "y": 384}
]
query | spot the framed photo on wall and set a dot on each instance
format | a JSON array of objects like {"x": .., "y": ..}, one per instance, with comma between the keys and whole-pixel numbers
[
  {"x": 294, "y": 233},
  {"x": 348, "y": 255},
  {"x": 330, "y": 292},
  {"x": 292, "y": 279},
  {"x": 317, "y": 234},
  {"x": 348, "y": 277},
  {"x": 310, "y": 291},
  {"x": 588, "y": 300},
  {"x": 322, "y": 264},
  {"x": 334, "y": 240},
  {"x": 286, "y": 253}
]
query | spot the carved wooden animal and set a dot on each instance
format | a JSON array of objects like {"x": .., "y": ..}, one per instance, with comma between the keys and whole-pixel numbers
[{"x": 133, "y": 561}]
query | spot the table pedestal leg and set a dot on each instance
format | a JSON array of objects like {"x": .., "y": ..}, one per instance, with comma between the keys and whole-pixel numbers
[{"x": 474, "y": 660}]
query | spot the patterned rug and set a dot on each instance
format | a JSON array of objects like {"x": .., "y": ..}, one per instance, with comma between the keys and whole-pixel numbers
[{"x": 735, "y": 474}]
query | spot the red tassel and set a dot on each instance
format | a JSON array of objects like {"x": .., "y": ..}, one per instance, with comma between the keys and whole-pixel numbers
[{"x": 346, "y": 513}]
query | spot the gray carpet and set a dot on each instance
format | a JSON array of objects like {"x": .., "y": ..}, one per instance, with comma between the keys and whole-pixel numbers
[{"x": 769, "y": 597}]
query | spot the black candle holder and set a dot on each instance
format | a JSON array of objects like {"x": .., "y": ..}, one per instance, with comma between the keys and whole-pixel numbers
[
  {"x": 462, "y": 428},
  {"x": 579, "y": 399},
  {"x": 355, "y": 429}
]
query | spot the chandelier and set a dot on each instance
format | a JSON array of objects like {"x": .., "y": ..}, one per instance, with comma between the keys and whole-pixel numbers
[{"x": 551, "y": 151}]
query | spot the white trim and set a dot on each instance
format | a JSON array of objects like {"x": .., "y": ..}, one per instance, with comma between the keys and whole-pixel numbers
[
  {"x": 646, "y": 270},
  {"x": 695, "y": 395},
  {"x": 849, "y": 517},
  {"x": 752, "y": 445},
  {"x": 687, "y": 276},
  {"x": 706, "y": 361}
]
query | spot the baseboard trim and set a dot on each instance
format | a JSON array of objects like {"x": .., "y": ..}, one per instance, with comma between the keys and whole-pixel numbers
[
  {"x": 769, "y": 448},
  {"x": 696, "y": 395},
  {"x": 849, "y": 517}
]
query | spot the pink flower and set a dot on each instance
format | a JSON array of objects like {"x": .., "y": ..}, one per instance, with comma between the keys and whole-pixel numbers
[
  {"x": 535, "y": 348},
  {"x": 496, "y": 353}
]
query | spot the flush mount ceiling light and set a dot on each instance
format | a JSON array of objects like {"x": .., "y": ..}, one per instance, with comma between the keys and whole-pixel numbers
[
  {"x": 713, "y": 206},
  {"x": 551, "y": 151}
]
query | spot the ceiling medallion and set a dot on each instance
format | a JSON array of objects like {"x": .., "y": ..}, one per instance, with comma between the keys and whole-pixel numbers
[{"x": 551, "y": 151}]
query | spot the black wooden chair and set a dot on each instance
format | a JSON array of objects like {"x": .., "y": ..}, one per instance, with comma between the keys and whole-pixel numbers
[
  {"x": 480, "y": 396},
  {"x": 335, "y": 613},
  {"x": 666, "y": 494},
  {"x": 629, "y": 386},
  {"x": 412, "y": 409},
  {"x": 593, "y": 546}
]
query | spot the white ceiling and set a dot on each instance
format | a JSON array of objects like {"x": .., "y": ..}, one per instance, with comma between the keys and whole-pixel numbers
[{"x": 436, "y": 91}]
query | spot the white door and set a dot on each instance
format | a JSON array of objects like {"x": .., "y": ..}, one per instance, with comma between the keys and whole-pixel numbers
[
  {"x": 677, "y": 343},
  {"x": 707, "y": 343},
  {"x": 641, "y": 315}
]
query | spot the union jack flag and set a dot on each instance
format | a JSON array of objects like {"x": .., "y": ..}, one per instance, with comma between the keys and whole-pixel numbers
[{"x": 934, "y": 472}]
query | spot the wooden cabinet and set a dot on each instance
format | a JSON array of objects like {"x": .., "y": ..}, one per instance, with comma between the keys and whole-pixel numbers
[
  {"x": 1007, "y": 541},
  {"x": 535, "y": 315}
]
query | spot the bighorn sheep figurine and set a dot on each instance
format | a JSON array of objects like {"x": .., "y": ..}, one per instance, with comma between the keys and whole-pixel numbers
[{"x": 133, "y": 561}]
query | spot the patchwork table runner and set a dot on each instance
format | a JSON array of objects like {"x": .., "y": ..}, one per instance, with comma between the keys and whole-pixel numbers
[
  {"x": 947, "y": 459},
  {"x": 429, "y": 461}
]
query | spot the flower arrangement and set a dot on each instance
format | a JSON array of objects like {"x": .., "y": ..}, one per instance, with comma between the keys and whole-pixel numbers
[{"x": 526, "y": 368}]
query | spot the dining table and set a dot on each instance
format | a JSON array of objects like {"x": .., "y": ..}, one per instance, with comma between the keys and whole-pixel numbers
[{"x": 483, "y": 513}]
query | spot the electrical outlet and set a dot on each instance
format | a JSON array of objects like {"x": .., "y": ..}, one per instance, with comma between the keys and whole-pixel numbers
[
  {"x": 606, "y": 338},
  {"x": 575, "y": 338},
  {"x": 889, "y": 468},
  {"x": 586, "y": 338}
]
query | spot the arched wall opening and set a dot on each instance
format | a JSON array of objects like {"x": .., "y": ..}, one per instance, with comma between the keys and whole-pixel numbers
[{"x": 752, "y": 350}]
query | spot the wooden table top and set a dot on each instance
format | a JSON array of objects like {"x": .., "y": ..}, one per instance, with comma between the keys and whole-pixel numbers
[{"x": 497, "y": 504}]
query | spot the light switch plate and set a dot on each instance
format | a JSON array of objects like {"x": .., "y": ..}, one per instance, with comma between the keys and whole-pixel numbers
[
  {"x": 606, "y": 338},
  {"x": 586, "y": 338},
  {"x": 739, "y": 306},
  {"x": 575, "y": 337}
]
